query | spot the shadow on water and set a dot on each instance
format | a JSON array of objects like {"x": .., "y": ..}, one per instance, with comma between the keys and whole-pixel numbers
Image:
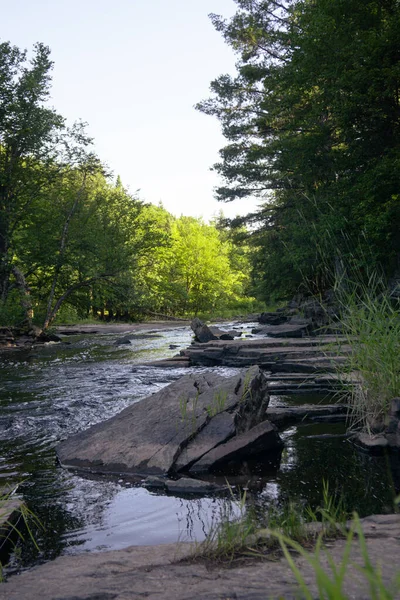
[{"x": 52, "y": 392}]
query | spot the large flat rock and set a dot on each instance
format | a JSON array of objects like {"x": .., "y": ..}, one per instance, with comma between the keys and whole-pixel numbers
[
  {"x": 283, "y": 416},
  {"x": 173, "y": 428}
]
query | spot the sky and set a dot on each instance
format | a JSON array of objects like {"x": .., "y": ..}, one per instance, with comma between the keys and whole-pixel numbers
[{"x": 133, "y": 70}]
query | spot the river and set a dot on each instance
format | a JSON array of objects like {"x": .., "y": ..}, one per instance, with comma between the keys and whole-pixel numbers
[{"x": 53, "y": 391}]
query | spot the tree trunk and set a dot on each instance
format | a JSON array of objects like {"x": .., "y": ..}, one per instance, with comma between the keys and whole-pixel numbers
[{"x": 26, "y": 301}]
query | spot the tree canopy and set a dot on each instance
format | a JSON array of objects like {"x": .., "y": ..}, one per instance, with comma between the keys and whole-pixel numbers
[
  {"x": 70, "y": 236},
  {"x": 312, "y": 121}
]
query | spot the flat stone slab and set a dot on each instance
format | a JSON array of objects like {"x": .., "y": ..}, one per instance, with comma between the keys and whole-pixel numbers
[
  {"x": 150, "y": 436},
  {"x": 286, "y": 330},
  {"x": 291, "y": 355},
  {"x": 288, "y": 415},
  {"x": 157, "y": 572},
  {"x": 188, "y": 485}
]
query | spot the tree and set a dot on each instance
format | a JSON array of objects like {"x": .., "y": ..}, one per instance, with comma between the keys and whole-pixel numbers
[
  {"x": 313, "y": 120},
  {"x": 197, "y": 274},
  {"x": 28, "y": 141}
]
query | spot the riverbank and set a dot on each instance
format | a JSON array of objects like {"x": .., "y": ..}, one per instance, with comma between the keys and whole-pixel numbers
[
  {"x": 163, "y": 572},
  {"x": 110, "y": 328},
  {"x": 12, "y": 338}
]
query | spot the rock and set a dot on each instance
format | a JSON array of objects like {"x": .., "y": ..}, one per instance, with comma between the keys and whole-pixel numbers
[
  {"x": 122, "y": 341},
  {"x": 295, "y": 355},
  {"x": 288, "y": 330},
  {"x": 219, "y": 334},
  {"x": 175, "y": 426},
  {"x": 10, "y": 517},
  {"x": 48, "y": 337},
  {"x": 226, "y": 336},
  {"x": 187, "y": 485},
  {"x": 394, "y": 410},
  {"x": 176, "y": 362},
  {"x": 268, "y": 318},
  {"x": 287, "y": 415},
  {"x": 385, "y": 434},
  {"x": 202, "y": 332},
  {"x": 219, "y": 430},
  {"x": 262, "y": 438},
  {"x": 173, "y": 346},
  {"x": 152, "y": 482},
  {"x": 372, "y": 443}
]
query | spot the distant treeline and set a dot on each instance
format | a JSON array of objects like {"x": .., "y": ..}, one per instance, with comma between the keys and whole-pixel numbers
[{"x": 75, "y": 243}]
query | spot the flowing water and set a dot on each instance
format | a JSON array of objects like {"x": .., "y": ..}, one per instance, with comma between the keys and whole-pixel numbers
[{"x": 51, "y": 392}]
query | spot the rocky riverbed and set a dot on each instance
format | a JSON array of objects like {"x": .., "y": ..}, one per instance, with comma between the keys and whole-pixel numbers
[{"x": 91, "y": 377}]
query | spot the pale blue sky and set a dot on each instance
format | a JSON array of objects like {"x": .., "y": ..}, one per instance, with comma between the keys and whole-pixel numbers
[{"x": 133, "y": 69}]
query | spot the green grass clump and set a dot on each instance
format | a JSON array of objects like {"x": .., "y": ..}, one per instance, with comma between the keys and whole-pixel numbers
[
  {"x": 13, "y": 530},
  {"x": 241, "y": 530},
  {"x": 371, "y": 323},
  {"x": 218, "y": 403},
  {"x": 329, "y": 575}
]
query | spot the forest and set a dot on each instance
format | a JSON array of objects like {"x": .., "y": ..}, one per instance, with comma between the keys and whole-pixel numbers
[{"x": 311, "y": 120}]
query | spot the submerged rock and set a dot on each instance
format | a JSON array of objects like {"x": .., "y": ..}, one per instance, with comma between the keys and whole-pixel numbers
[
  {"x": 123, "y": 341},
  {"x": 188, "y": 485},
  {"x": 174, "y": 428}
]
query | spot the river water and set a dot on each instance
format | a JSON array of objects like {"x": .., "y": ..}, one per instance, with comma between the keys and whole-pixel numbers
[{"x": 54, "y": 391}]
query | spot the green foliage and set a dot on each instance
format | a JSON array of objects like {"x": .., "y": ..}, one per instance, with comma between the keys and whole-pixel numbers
[
  {"x": 192, "y": 272},
  {"x": 371, "y": 322},
  {"x": 243, "y": 530},
  {"x": 11, "y": 312},
  {"x": 312, "y": 123},
  {"x": 218, "y": 403},
  {"x": 70, "y": 235},
  {"x": 330, "y": 576},
  {"x": 12, "y": 530}
]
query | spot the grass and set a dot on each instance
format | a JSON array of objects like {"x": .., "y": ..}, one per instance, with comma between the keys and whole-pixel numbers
[
  {"x": 330, "y": 575},
  {"x": 371, "y": 325},
  {"x": 241, "y": 531},
  {"x": 218, "y": 403},
  {"x": 11, "y": 529},
  {"x": 238, "y": 536},
  {"x": 189, "y": 417}
]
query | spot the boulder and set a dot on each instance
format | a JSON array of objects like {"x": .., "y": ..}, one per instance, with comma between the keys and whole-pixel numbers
[
  {"x": 173, "y": 428},
  {"x": 219, "y": 334},
  {"x": 219, "y": 430},
  {"x": 201, "y": 331},
  {"x": 260, "y": 439},
  {"x": 272, "y": 318},
  {"x": 288, "y": 330}
]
